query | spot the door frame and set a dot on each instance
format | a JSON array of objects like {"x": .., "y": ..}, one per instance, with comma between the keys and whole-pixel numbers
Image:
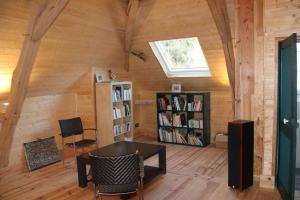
[{"x": 276, "y": 113}]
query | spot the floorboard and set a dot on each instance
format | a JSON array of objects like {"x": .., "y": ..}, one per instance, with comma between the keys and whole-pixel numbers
[{"x": 192, "y": 174}]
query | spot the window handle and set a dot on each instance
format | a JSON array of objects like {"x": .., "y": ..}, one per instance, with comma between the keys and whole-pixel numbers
[{"x": 285, "y": 121}]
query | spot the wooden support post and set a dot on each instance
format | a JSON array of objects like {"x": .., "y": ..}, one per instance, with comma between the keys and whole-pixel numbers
[
  {"x": 133, "y": 8},
  {"x": 219, "y": 12},
  {"x": 39, "y": 24},
  {"x": 245, "y": 58}
]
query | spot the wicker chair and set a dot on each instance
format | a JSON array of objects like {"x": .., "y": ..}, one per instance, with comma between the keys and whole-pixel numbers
[{"x": 121, "y": 175}]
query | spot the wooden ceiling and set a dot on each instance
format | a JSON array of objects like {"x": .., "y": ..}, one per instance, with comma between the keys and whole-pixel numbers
[
  {"x": 160, "y": 20},
  {"x": 90, "y": 33}
]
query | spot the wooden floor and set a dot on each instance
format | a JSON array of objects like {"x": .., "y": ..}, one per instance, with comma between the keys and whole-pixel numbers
[{"x": 192, "y": 174}]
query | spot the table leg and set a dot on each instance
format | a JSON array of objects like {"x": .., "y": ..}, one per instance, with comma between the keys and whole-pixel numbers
[
  {"x": 163, "y": 160},
  {"x": 81, "y": 171}
]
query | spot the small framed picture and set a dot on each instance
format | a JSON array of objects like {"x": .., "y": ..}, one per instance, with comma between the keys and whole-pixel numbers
[
  {"x": 176, "y": 87},
  {"x": 99, "y": 78}
]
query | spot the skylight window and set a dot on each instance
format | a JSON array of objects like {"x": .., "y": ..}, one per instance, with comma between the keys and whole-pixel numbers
[{"x": 181, "y": 57}]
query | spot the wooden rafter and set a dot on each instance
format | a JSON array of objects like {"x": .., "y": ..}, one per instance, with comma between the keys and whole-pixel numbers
[
  {"x": 48, "y": 16},
  {"x": 220, "y": 15},
  {"x": 132, "y": 11},
  {"x": 45, "y": 15}
]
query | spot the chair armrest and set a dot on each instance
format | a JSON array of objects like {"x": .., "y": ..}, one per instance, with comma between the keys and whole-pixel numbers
[{"x": 90, "y": 129}]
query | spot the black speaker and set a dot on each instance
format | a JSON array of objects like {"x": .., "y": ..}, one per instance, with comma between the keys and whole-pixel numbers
[{"x": 240, "y": 154}]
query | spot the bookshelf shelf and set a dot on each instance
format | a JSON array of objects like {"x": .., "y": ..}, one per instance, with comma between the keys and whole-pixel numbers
[
  {"x": 184, "y": 118},
  {"x": 114, "y": 99}
]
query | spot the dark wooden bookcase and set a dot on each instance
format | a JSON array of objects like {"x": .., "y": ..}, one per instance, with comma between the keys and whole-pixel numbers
[{"x": 183, "y": 118}]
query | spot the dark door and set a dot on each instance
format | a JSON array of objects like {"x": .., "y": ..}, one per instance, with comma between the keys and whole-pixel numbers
[{"x": 287, "y": 117}]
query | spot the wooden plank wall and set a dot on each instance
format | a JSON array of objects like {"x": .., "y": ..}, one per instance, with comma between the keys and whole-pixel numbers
[
  {"x": 87, "y": 34},
  {"x": 88, "y": 38},
  {"x": 156, "y": 22},
  {"x": 281, "y": 19},
  {"x": 39, "y": 120}
]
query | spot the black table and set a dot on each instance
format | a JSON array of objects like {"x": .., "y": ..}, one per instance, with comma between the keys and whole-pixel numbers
[{"x": 124, "y": 148}]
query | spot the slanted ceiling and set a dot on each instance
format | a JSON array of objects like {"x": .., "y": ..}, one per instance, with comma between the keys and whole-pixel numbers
[
  {"x": 160, "y": 20},
  {"x": 90, "y": 33}
]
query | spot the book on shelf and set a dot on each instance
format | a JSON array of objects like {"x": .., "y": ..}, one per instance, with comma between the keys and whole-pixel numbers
[
  {"x": 127, "y": 94},
  {"x": 179, "y": 103},
  {"x": 120, "y": 129},
  {"x": 117, "y": 113},
  {"x": 126, "y": 108},
  {"x": 179, "y": 120},
  {"x": 196, "y": 123},
  {"x": 164, "y": 104},
  {"x": 117, "y": 129},
  {"x": 194, "y": 140},
  {"x": 126, "y": 127},
  {"x": 163, "y": 120},
  {"x": 179, "y": 135},
  {"x": 117, "y": 94},
  {"x": 195, "y": 106},
  {"x": 166, "y": 135},
  {"x": 123, "y": 111}
]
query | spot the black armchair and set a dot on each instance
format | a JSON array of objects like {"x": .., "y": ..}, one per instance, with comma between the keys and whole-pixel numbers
[
  {"x": 73, "y": 127},
  {"x": 121, "y": 175}
]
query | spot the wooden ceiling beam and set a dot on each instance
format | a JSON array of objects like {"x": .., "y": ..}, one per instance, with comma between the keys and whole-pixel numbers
[
  {"x": 132, "y": 11},
  {"x": 219, "y": 12},
  {"x": 44, "y": 16},
  {"x": 51, "y": 12}
]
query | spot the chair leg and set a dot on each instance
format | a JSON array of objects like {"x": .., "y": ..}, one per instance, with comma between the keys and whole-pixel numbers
[
  {"x": 74, "y": 147},
  {"x": 63, "y": 150},
  {"x": 142, "y": 188},
  {"x": 139, "y": 192},
  {"x": 95, "y": 192}
]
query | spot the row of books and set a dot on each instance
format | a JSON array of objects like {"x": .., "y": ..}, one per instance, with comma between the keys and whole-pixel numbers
[
  {"x": 117, "y": 94},
  {"x": 164, "y": 103},
  {"x": 164, "y": 120},
  {"x": 120, "y": 94},
  {"x": 196, "y": 123},
  {"x": 127, "y": 94},
  {"x": 178, "y": 137},
  {"x": 179, "y": 103},
  {"x": 194, "y": 140},
  {"x": 169, "y": 136},
  {"x": 179, "y": 120},
  {"x": 123, "y": 111},
  {"x": 120, "y": 129},
  {"x": 195, "y": 106},
  {"x": 166, "y": 135}
]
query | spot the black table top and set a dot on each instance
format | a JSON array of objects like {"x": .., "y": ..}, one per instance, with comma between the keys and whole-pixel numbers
[{"x": 125, "y": 148}]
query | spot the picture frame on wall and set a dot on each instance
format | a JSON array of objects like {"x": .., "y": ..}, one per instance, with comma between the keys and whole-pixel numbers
[
  {"x": 176, "y": 88},
  {"x": 99, "y": 77}
]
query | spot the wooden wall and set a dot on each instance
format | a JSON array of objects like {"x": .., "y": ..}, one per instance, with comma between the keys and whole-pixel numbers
[
  {"x": 281, "y": 19},
  {"x": 39, "y": 119},
  {"x": 88, "y": 37},
  {"x": 87, "y": 34},
  {"x": 271, "y": 21},
  {"x": 160, "y": 20}
]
